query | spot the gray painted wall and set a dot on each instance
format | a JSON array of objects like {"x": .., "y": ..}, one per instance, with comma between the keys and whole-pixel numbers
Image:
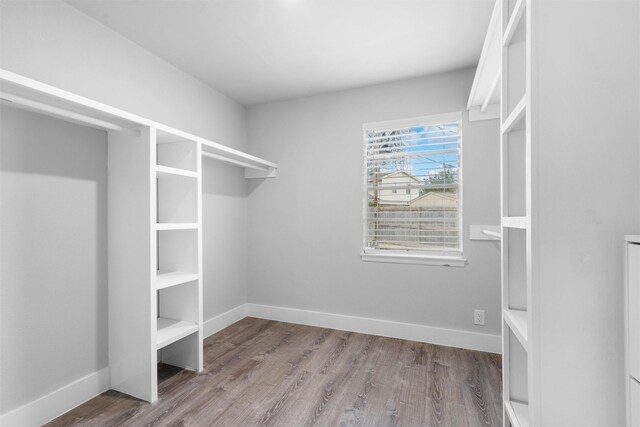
[
  {"x": 224, "y": 212},
  {"x": 52, "y": 42},
  {"x": 306, "y": 226},
  {"x": 53, "y": 246}
]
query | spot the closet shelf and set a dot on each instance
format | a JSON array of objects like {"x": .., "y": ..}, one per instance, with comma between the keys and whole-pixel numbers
[
  {"x": 485, "y": 89},
  {"x": 22, "y": 92},
  {"x": 518, "y": 413},
  {"x": 514, "y": 22},
  {"x": 162, "y": 226},
  {"x": 517, "y": 322},
  {"x": 515, "y": 222},
  {"x": 165, "y": 279},
  {"x": 166, "y": 171},
  {"x": 255, "y": 167},
  {"x": 170, "y": 331},
  {"x": 515, "y": 118}
]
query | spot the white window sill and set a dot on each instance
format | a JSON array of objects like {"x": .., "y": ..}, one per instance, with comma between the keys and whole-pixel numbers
[{"x": 445, "y": 261}]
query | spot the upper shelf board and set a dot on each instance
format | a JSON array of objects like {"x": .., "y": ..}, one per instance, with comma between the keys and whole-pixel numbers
[
  {"x": 22, "y": 92},
  {"x": 485, "y": 90}
]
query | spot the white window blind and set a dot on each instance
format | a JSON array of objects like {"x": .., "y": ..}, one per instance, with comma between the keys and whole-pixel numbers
[{"x": 423, "y": 157}]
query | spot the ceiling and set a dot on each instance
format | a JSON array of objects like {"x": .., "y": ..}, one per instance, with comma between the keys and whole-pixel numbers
[{"x": 270, "y": 50}]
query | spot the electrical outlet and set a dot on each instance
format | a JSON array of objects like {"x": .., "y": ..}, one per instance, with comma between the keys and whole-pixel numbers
[{"x": 478, "y": 317}]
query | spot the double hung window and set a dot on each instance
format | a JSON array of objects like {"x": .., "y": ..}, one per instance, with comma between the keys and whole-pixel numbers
[{"x": 424, "y": 222}]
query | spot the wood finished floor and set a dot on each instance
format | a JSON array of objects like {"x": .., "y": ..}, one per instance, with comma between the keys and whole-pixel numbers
[{"x": 260, "y": 372}]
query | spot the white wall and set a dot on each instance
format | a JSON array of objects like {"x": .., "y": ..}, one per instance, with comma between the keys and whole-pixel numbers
[
  {"x": 586, "y": 141},
  {"x": 306, "y": 226},
  {"x": 224, "y": 217},
  {"x": 53, "y": 245},
  {"x": 52, "y": 42}
]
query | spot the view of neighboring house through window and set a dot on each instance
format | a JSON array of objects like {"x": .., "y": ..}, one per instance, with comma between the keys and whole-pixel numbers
[{"x": 422, "y": 156}]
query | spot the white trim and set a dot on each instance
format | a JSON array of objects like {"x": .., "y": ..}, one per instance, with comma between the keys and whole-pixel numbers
[
  {"x": 221, "y": 321},
  {"x": 434, "y": 119},
  {"x": 461, "y": 187},
  {"x": 413, "y": 258},
  {"x": 56, "y": 403},
  {"x": 386, "y": 328}
]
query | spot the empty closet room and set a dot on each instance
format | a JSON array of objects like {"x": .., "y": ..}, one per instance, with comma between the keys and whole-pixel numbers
[{"x": 329, "y": 213}]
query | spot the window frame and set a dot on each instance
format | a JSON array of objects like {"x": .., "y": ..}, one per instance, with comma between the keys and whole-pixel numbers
[{"x": 407, "y": 256}]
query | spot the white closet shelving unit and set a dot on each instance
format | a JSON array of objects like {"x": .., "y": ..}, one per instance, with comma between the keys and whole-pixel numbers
[
  {"x": 155, "y": 230},
  {"x": 515, "y": 149},
  {"x": 504, "y": 77},
  {"x": 559, "y": 283}
]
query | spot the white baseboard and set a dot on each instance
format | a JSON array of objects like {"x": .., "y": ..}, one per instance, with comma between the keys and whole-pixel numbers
[
  {"x": 59, "y": 401},
  {"x": 408, "y": 331},
  {"x": 223, "y": 320}
]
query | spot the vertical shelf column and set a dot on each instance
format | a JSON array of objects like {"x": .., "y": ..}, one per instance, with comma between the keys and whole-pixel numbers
[
  {"x": 516, "y": 208},
  {"x": 179, "y": 228},
  {"x": 155, "y": 258},
  {"x": 132, "y": 263}
]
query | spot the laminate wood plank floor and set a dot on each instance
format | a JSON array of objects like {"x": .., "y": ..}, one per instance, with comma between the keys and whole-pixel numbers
[{"x": 266, "y": 373}]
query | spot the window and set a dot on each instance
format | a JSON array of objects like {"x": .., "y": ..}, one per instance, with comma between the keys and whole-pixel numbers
[{"x": 424, "y": 223}]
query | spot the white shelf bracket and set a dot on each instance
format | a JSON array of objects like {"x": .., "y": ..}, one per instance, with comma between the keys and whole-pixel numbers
[{"x": 485, "y": 232}]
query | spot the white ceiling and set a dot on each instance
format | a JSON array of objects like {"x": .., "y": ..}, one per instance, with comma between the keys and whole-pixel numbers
[{"x": 270, "y": 50}]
